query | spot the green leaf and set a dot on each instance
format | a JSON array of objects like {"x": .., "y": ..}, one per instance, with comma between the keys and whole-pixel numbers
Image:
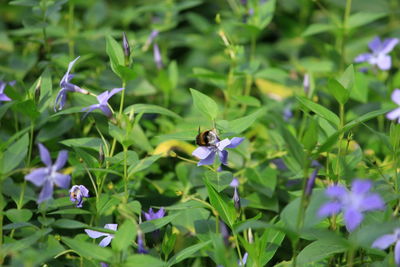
[
  {"x": 27, "y": 108},
  {"x": 319, "y": 110},
  {"x": 310, "y": 137},
  {"x": 320, "y": 250},
  {"x": 338, "y": 91},
  {"x": 143, "y": 164},
  {"x": 317, "y": 28},
  {"x": 88, "y": 142},
  {"x": 204, "y": 104},
  {"x": 142, "y": 260},
  {"x": 239, "y": 125},
  {"x": 151, "y": 109},
  {"x": 69, "y": 224},
  {"x": 362, "y": 18},
  {"x": 150, "y": 226},
  {"x": 187, "y": 252},
  {"x": 88, "y": 250},
  {"x": 22, "y": 215},
  {"x": 347, "y": 78},
  {"x": 114, "y": 51},
  {"x": 247, "y": 100},
  {"x": 219, "y": 180},
  {"x": 70, "y": 211},
  {"x": 360, "y": 88},
  {"x": 124, "y": 236},
  {"x": 224, "y": 207},
  {"x": 14, "y": 155},
  {"x": 24, "y": 243},
  {"x": 294, "y": 147}
]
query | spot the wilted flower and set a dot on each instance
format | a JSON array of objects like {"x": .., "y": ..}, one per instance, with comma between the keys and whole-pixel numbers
[
  {"x": 157, "y": 56},
  {"x": 3, "y": 96},
  {"x": 380, "y": 51},
  {"x": 108, "y": 237},
  {"x": 352, "y": 203},
  {"x": 385, "y": 241},
  {"x": 77, "y": 193},
  {"x": 395, "y": 114},
  {"x": 66, "y": 87},
  {"x": 151, "y": 215},
  {"x": 48, "y": 176},
  {"x": 206, "y": 154},
  {"x": 103, "y": 102}
]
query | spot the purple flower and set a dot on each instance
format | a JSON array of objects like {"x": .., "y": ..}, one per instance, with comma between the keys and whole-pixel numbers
[
  {"x": 103, "y": 102},
  {"x": 395, "y": 114},
  {"x": 140, "y": 243},
  {"x": 77, "y": 193},
  {"x": 66, "y": 87},
  {"x": 151, "y": 215},
  {"x": 313, "y": 176},
  {"x": 108, "y": 237},
  {"x": 244, "y": 260},
  {"x": 306, "y": 83},
  {"x": 206, "y": 154},
  {"x": 385, "y": 241},
  {"x": 157, "y": 56},
  {"x": 352, "y": 203},
  {"x": 3, "y": 96},
  {"x": 236, "y": 197},
  {"x": 125, "y": 46},
  {"x": 48, "y": 176},
  {"x": 287, "y": 113},
  {"x": 380, "y": 51},
  {"x": 150, "y": 39}
]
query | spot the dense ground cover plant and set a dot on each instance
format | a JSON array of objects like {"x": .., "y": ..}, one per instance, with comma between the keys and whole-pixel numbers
[{"x": 199, "y": 133}]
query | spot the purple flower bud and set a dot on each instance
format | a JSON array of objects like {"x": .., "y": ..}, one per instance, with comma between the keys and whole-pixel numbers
[
  {"x": 157, "y": 56},
  {"x": 140, "y": 243},
  {"x": 125, "y": 46},
  {"x": 224, "y": 232},
  {"x": 77, "y": 193},
  {"x": 236, "y": 199}
]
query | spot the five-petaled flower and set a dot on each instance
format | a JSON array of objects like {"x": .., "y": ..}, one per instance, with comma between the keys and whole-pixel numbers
[
  {"x": 380, "y": 50},
  {"x": 151, "y": 215},
  {"x": 108, "y": 237},
  {"x": 395, "y": 114},
  {"x": 206, "y": 154},
  {"x": 3, "y": 96},
  {"x": 77, "y": 193},
  {"x": 66, "y": 87},
  {"x": 49, "y": 175},
  {"x": 103, "y": 102},
  {"x": 385, "y": 241},
  {"x": 352, "y": 203}
]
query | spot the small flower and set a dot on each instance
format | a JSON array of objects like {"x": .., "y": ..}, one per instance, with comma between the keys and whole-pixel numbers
[
  {"x": 150, "y": 39},
  {"x": 385, "y": 241},
  {"x": 157, "y": 56},
  {"x": 77, "y": 193},
  {"x": 244, "y": 260},
  {"x": 103, "y": 102},
  {"x": 66, "y": 87},
  {"x": 108, "y": 237},
  {"x": 151, "y": 215},
  {"x": 206, "y": 154},
  {"x": 313, "y": 176},
  {"x": 48, "y": 176},
  {"x": 352, "y": 203},
  {"x": 395, "y": 114},
  {"x": 3, "y": 96},
  {"x": 380, "y": 51},
  {"x": 287, "y": 113}
]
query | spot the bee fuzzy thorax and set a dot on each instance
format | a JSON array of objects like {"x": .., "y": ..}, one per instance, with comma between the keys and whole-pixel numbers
[{"x": 207, "y": 138}]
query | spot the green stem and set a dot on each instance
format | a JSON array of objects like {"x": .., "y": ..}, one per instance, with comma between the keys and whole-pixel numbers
[
  {"x": 341, "y": 125},
  {"x": 350, "y": 258},
  {"x": 344, "y": 33},
  {"x": 237, "y": 247},
  {"x": 71, "y": 30},
  {"x": 121, "y": 104}
]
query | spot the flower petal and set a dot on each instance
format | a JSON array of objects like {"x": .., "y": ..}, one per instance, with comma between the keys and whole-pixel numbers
[
  {"x": 372, "y": 202},
  {"x": 61, "y": 159},
  {"x": 4, "y": 97},
  {"x": 44, "y": 155},
  {"x": 384, "y": 62},
  {"x": 336, "y": 191},
  {"x": 103, "y": 97},
  {"x": 61, "y": 180},
  {"x": 397, "y": 253},
  {"x": 38, "y": 176},
  {"x": 95, "y": 234},
  {"x": 235, "y": 141},
  {"x": 394, "y": 114},
  {"x": 90, "y": 109},
  {"x": 223, "y": 157},
  {"x": 111, "y": 226},
  {"x": 106, "y": 241},
  {"x": 352, "y": 219},
  {"x": 60, "y": 100},
  {"x": 208, "y": 160},
  {"x": 46, "y": 193},
  {"x": 202, "y": 152},
  {"x": 234, "y": 183},
  {"x": 114, "y": 91},
  {"x": 388, "y": 45},
  {"x": 84, "y": 191},
  {"x": 384, "y": 241},
  {"x": 329, "y": 209},
  {"x": 363, "y": 57},
  {"x": 375, "y": 45},
  {"x": 221, "y": 145},
  {"x": 160, "y": 213},
  {"x": 396, "y": 96},
  {"x": 106, "y": 110},
  {"x": 361, "y": 186}
]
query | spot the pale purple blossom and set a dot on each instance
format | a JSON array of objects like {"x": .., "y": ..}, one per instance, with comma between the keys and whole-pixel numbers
[
  {"x": 157, "y": 56},
  {"x": 313, "y": 176},
  {"x": 103, "y": 102},
  {"x": 395, "y": 114},
  {"x": 140, "y": 243},
  {"x": 3, "y": 96},
  {"x": 77, "y": 193},
  {"x": 244, "y": 260},
  {"x": 107, "y": 236},
  {"x": 49, "y": 175},
  {"x": 385, "y": 241},
  {"x": 151, "y": 215},
  {"x": 236, "y": 197},
  {"x": 380, "y": 50},
  {"x": 66, "y": 87},
  {"x": 150, "y": 39},
  {"x": 125, "y": 46},
  {"x": 206, "y": 154},
  {"x": 352, "y": 203}
]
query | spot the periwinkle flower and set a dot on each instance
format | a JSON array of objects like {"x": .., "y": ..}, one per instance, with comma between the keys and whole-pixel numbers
[
  {"x": 313, "y": 176},
  {"x": 206, "y": 154},
  {"x": 157, "y": 56},
  {"x": 3, "y": 96},
  {"x": 150, "y": 39},
  {"x": 287, "y": 113},
  {"x": 107, "y": 236},
  {"x": 66, "y": 87},
  {"x": 103, "y": 102},
  {"x": 77, "y": 193},
  {"x": 140, "y": 243},
  {"x": 352, "y": 203},
  {"x": 151, "y": 215},
  {"x": 244, "y": 260},
  {"x": 49, "y": 175},
  {"x": 395, "y": 114},
  {"x": 380, "y": 50},
  {"x": 236, "y": 197},
  {"x": 385, "y": 241},
  {"x": 125, "y": 46}
]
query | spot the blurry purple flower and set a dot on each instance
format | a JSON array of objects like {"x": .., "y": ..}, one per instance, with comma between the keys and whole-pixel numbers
[
  {"x": 244, "y": 2},
  {"x": 395, "y": 114},
  {"x": 140, "y": 243},
  {"x": 66, "y": 87},
  {"x": 306, "y": 83},
  {"x": 157, "y": 56},
  {"x": 280, "y": 164},
  {"x": 313, "y": 176},
  {"x": 150, "y": 39},
  {"x": 125, "y": 46},
  {"x": 3, "y": 96},
  {"x": 77, "y": 193},
  {"x": 48, "y": 176},
  {"x": 352, "y": 203},
  {"x": 287, "y": 113},
  {"x": 380, "y": 51},
  {"x": 224, "y": 232},
  {"x": 244, "y": 260},
  {"x": 236, "y": 197},
  {"x": 385, "y": 241},
  {"x": 234, "y": 183},
  {"x": 206, "y": 154},
  {"x": 103, "y": 102},
  {"x": 103, "y": 264},
  {"x": 108, "y": 237},
  {"x": 151, "y": 215}
]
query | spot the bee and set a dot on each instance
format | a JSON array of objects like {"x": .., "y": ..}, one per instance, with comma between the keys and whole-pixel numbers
[{"x": 207, "y": 138}]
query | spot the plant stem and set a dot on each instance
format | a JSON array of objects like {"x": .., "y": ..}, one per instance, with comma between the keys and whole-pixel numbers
[
  {"x": 344, "y": 33},
  {"x": 71, "y": 29},
  {"x": 341, "y": 125}
]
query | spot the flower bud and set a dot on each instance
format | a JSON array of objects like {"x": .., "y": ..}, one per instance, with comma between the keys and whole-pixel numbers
[{"x": 127, "y": 49}]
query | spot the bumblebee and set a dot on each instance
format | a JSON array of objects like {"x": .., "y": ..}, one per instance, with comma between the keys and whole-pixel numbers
[{"x": 207, "y": 138}]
